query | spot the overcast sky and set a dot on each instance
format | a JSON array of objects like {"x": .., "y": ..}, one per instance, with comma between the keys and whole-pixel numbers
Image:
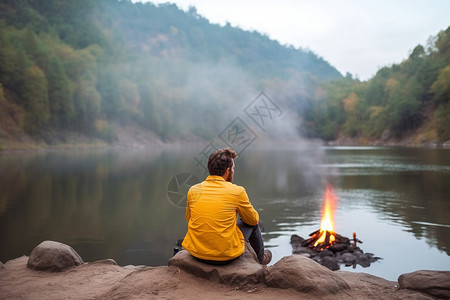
[{"x": 356, "y": 36}]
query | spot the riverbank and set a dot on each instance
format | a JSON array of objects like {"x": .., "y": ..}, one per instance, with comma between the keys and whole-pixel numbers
[
  {"x": 56, "y": 271},
  {"x": 420, "y": 138},
  {"x": 104, "y": 280},
  {"x": 134, "y": 136},
  {"x": 157, "y": 143},
  {"x": 127, "y": 136}
]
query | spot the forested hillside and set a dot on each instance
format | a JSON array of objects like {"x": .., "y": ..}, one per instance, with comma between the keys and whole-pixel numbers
[
  {"x": 93, "y": 66},
  {"x": 409, "y": 97},
  {"x": 85, "y": 65}
]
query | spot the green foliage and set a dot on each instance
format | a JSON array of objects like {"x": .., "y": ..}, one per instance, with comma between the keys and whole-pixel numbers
[
  {"x": 87, "y": 106},
  {"x": 35, "y": 96},
  {"x": 13, "y": 60},
  {"x": 59, "y": 94},
  {"x": 329, "y": 131},
  {"x": 404, "y": 106},
  {"x": 329, "y": 112},
  {"x": 443, "y": 122},
  {"x": 441, "y": 87},
  {"x": 108, "y": 87},
  {"x": 442, "y": 45},
  {"x": 394, "y": 99},
  {"x": 35, "y": 49},
  {"x": 375, "y": 121}
]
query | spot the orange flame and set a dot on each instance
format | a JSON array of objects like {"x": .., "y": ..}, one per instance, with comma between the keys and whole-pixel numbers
[{"x": 327, "y": 222}]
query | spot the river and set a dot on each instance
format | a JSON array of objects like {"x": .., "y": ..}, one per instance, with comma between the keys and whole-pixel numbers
[{"x": 126, "y": 204}]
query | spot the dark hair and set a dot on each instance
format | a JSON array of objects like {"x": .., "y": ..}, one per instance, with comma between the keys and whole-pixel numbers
[{"x": 220, "y": 160}]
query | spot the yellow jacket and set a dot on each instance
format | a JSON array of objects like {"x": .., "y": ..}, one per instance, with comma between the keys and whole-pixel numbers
[{"x": 211, "y": 215}]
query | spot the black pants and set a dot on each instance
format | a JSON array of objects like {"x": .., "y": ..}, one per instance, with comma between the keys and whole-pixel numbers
[{"x": 252, "y": 235}]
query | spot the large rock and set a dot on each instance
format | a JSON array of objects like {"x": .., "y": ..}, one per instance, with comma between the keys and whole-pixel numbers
[
  {"x": 242, "y": 271},
  {"x": 304, "y": 275},
  {"x": 54, "y": 257},
  {"x": 434, "y": 283}
]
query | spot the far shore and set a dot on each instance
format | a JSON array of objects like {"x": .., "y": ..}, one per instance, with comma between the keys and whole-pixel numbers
[
  {"x": 134, "y": 136},
  {"x": 17, "y": 147}
]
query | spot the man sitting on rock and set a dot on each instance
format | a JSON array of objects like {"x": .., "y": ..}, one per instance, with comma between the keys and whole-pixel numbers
[{"x": 215, "y": 235}]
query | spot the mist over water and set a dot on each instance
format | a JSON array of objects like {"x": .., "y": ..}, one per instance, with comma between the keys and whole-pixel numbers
[{"x": 183, "y": 97}]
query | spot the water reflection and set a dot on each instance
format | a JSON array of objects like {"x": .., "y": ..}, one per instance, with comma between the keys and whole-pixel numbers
[
  {"x": 415, "y": 187},
  {"x": 103, "y": 203},
  {"x": 114, "y": 203}
]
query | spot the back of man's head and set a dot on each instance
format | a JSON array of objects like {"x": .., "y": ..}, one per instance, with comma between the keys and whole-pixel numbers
[{"x": 220, "y": 160}]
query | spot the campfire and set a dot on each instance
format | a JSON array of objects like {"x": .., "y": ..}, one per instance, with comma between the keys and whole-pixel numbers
[
  {"x": 327, "y": 247},
  {"x": 325, "y": 236}
]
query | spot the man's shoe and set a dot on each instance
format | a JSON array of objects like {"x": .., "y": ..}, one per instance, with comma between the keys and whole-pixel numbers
[{"x": 267, "y": 257}]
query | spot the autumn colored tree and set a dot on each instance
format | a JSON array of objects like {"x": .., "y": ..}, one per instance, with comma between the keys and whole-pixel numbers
[{"x": 351, "y": 104}]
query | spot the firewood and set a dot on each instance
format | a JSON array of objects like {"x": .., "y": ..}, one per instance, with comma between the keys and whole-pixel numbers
[{"x": 313, "y": 233}]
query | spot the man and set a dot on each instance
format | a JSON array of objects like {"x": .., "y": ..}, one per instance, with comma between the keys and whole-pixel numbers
[{"x": 215, "y": 235}]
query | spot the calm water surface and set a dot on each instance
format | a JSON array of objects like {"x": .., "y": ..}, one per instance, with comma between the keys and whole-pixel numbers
[{"x": 114, "y": 203}]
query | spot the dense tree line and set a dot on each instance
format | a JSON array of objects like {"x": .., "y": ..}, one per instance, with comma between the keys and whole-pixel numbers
[
  {"x": 84, "y": 65},
  {"x": 87, "y": 65},
  {"x": 396, "y": 101}
]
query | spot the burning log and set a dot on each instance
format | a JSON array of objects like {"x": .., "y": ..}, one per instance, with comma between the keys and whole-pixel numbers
[
  {"x": 315, "y": 232},
  {"x": 332, "y": 251},
  {"x": 330, "y": 239}
]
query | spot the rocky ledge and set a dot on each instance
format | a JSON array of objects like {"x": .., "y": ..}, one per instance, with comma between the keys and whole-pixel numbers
[{"x": 55, "y": 271}]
